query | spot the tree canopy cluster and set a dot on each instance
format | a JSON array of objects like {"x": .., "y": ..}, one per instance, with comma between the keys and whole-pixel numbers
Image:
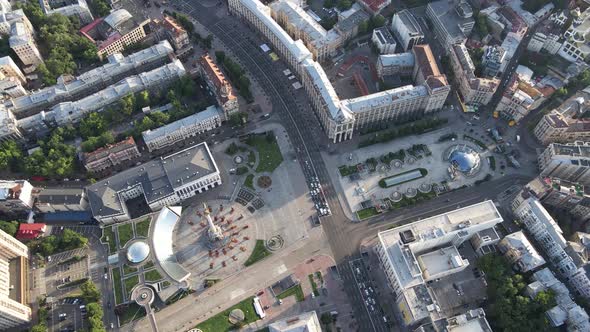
[
  {"x": 509, "y": 308},
  {"x": 54, "y": 158},
  {"x": 100, "y": 8},
  {"x": 481, "y": 25},
  {"x": 58, "y": 34},
  {"x": 10, "y": 155},
  {"x": 10, "y": 227},
  {"x": 414, "y": 128},
  {"x": 373, "y": 23},
  {"x": 236, "y": 74},
  {"x": 52, "y": 244},
  {"x": 575, "y": 84}
]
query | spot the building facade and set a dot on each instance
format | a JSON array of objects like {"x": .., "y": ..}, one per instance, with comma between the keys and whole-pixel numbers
[
  {"x": 384, "y": 41},
  {"x": 221, "y": 88},
  {"x": 570, "y": 162},
  {"x": 519, "y": 251},
  {"x": 15, "y": 196},
  {"x": 176, "y": 34},
  {"x": 182, "y": 129},
  {"x": 50, "y": 200},
  {"x": 14, "y": 290},
  {"x": 111, "y": 155},
  {"x": 78, "y": 8},
  {"x": 474, "y": 90},
  {"x": 452, "y": 21},
  {"x": 23, "y": 44},
  {"x": 8, "y": 126},
  {"x": 565, "y": 123},
  {"x": 576, "y": 47},
  {"x": 406, "y": 29}
]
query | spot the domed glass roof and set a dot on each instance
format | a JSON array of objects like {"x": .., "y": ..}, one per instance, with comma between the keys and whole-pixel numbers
[
  {"x": 465, "y": 161},
  {"x": 138, "y": 252}
]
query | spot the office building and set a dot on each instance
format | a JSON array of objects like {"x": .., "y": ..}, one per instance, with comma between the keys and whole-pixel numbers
[
  {"x": 77, "y": 8},
  {"x": 50, "y": 200},
  {"x": 73, "y": 112},
  {"x": 576, "y": 47},
  {"x": 492, "y": 60},
  {"x": 452, "y": 21},
  {"x": 305, "y": 322},
  {"x": 182, "y": 129},
  {"x": 115, "y": 32},
  {"x": 221, "y": 88},
  {"x": 165, "y": 181},
  {"x": 383, "y": 40},
  {"x": 566, "y": 311},
  {"x": 15, "y": 196},
  {"x": 424, "y": 250},
  {"x": 570, "y": 162},
  {"x": 406, "y": 29},
  {"x": 21, "y": 41},
  {"x": 474, "y": 90},
  {"x": 566, "y": 124},
  {"x": 14, "y": 285},
  {"x": 300, "y": 25},
  {"x": 519, "y": 251},
  {"x": 68, "y": 88},
  {"x": 111, "y": 155}
]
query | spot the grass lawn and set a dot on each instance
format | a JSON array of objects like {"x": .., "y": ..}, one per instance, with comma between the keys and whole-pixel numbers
[
  {"x": 125, "y": 234},
  {"x": 128, "y": 269},
  {"x": 220, "y": 322},
  {"x": 117, "y": 285},
  {"x": 259, "y": 253},
  {"x": 108, "y": 236},
  {"x": 295, "y": 290},
  {"x": 249, "y": 181},
  {"x": 366, "y": 213},
  {"x": 133, "y": 312},
  {"x": 142, "y": 228},
  {"x": 268, "y": 151},
  {"x": 130, "y": 283},
  {"x": 314, "y": 285},
  {"x": 148, "y": 265},
  {"x": 346, "y": 170},
  {"x": 152, "y": 275}
]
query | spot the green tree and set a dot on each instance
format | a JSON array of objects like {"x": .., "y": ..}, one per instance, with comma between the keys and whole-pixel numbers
[
  {"x": 127, "y": 104},
  {"x": 377, "y": 21},
  {"x": 143, "y": 99},
  {"x": 93, "y": 124},
  {"x": 344, "y": 4},
  {"x": 363, "y": 27},
  {"x": 91, "y": 294},
  {"x": 41, "y": 327},
  {"x": 72, "y": 240},
  {"x": 10, "y": 155},
  {"x": 100, "y": 8},
  {"x": 9, "y": 227},
  {"x": 220, "y": 56},
  {"x": 159, "y": 118},
  {"x": 329, "y": 3},
  {"x": 208, "y": 41}
]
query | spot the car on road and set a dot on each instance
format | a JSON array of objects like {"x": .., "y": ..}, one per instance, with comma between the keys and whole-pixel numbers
[{"x": 62, "y": 316}]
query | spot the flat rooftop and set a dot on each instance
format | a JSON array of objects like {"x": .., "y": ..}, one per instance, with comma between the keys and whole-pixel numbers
[{"x": 439, "y": 261}]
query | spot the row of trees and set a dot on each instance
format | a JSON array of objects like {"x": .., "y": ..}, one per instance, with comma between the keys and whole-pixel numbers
[
  {"x": 510, "y": 309},
  {"x": 52, "y": 244},
  {"x": 236, "y": 74},
  {"x": 415, "y": 128},
  {"x": 59, "y": 35}
]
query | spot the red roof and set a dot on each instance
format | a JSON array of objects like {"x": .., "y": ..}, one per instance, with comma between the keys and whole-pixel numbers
[
  {"x": 374, "y": 5},
  {"x": 30, "y": 231}
]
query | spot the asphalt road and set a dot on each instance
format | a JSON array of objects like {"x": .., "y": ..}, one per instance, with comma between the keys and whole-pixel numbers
[{"x": 344, "y": 236}]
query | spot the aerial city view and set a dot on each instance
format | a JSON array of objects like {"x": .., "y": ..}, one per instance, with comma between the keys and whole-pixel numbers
[{"x": 295, "y": 165}]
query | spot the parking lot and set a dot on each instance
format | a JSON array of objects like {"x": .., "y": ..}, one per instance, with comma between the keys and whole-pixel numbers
[{"x": 66, "y": 315}]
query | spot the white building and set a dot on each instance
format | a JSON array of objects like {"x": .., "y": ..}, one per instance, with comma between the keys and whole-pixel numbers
[
  {"x": 472, "y": 321},
  {"x": 563, "y": 124},
  {"x": 305, "y": 322},
  {"x": 519, "y": 251},
  {"x": 452, "y": 21},
  {"x": 548, "y": 42},
  {"x": 406, "y": 29},
  {"x": 163, "y": 182},
  {"x": 78, "y": 8},
  {"x": 576, "y": 46},
  {"x": 14, "y": 289},
  {"x": 184, "y": 128},
  {"x": 15, "y": 196},
  {"x": 8, "y": 126},
  {"x": 50, "y": 200},
  {"x": 9, "y": 16},
  {"x": 22, "y": 43},
  {"x": 395, "y": 64},
  {"x": 474, "y": 90},
  {"x": 411, "y": 254},
  {"x": 383, "y": 40},
  {"x": 492, "y": 60},
  {"x": 569, "y": 162}
]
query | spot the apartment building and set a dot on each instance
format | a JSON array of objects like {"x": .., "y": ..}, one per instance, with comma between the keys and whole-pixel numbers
[
  {"x": 23, "y": 44},
  {"x": 111, "y": 155},
  {"x": 69, "y": 88},
  {"x": 15, "y": 196},
  {"x": 300, "y": 25},
  {"x": 406, "y": 29},
  {"x": 8, "y": 126},
  {"x": 492, "y": 60},
  {"x": 519, "y": 251},
  {"x": 77, "y": 8},
  {"x": 113, "y": 33},
  {"x": 221, "y": 88},
  {"x": 570, "y": 162},
  {"x": 518, "y": 100},
  {"x": 474, "y": 90},
  {"x": 338, "y": 117},
  {"x": 72, "y": 112},
  {"x": 11, "y": 79},
  {"x": 452, "y": 21},
  {"x": 161, "y": 182},
  {"x": 565, "y": 124},
  {"x": 9, "y": 16},
  {"x": 184, "y": 128},
  {"x": 176, "y": 34},
  {"x": 383, "y": 40},
  {"x": 9, "y": 69},
  {"x": 14, "y": 286},
  {"x": 424, "y": 250},
  {"x": 576, "y": 47}
]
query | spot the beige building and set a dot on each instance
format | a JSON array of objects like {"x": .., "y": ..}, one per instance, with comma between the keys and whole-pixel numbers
[
  {"x": 115, "y": 32},
  {"x": 9, "y": 69},
  {"x": 23, "y": 44},
  {"x": 177, "y": 36},
  {"x": 221, "y": 87},
  {"x": 519, "y": 99},
  {"x": 562, "y": 124},
  {"x": 305, "y": 322},
  {"x": 474, "y": 90},
  {"x": 570, "y": 162},
  {"x": 14, "y": 288},
  {"x": 111, "y": 155}
]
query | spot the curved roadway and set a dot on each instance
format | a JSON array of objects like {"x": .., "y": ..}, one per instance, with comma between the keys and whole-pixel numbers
[{"x": 343, "y": 235}]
